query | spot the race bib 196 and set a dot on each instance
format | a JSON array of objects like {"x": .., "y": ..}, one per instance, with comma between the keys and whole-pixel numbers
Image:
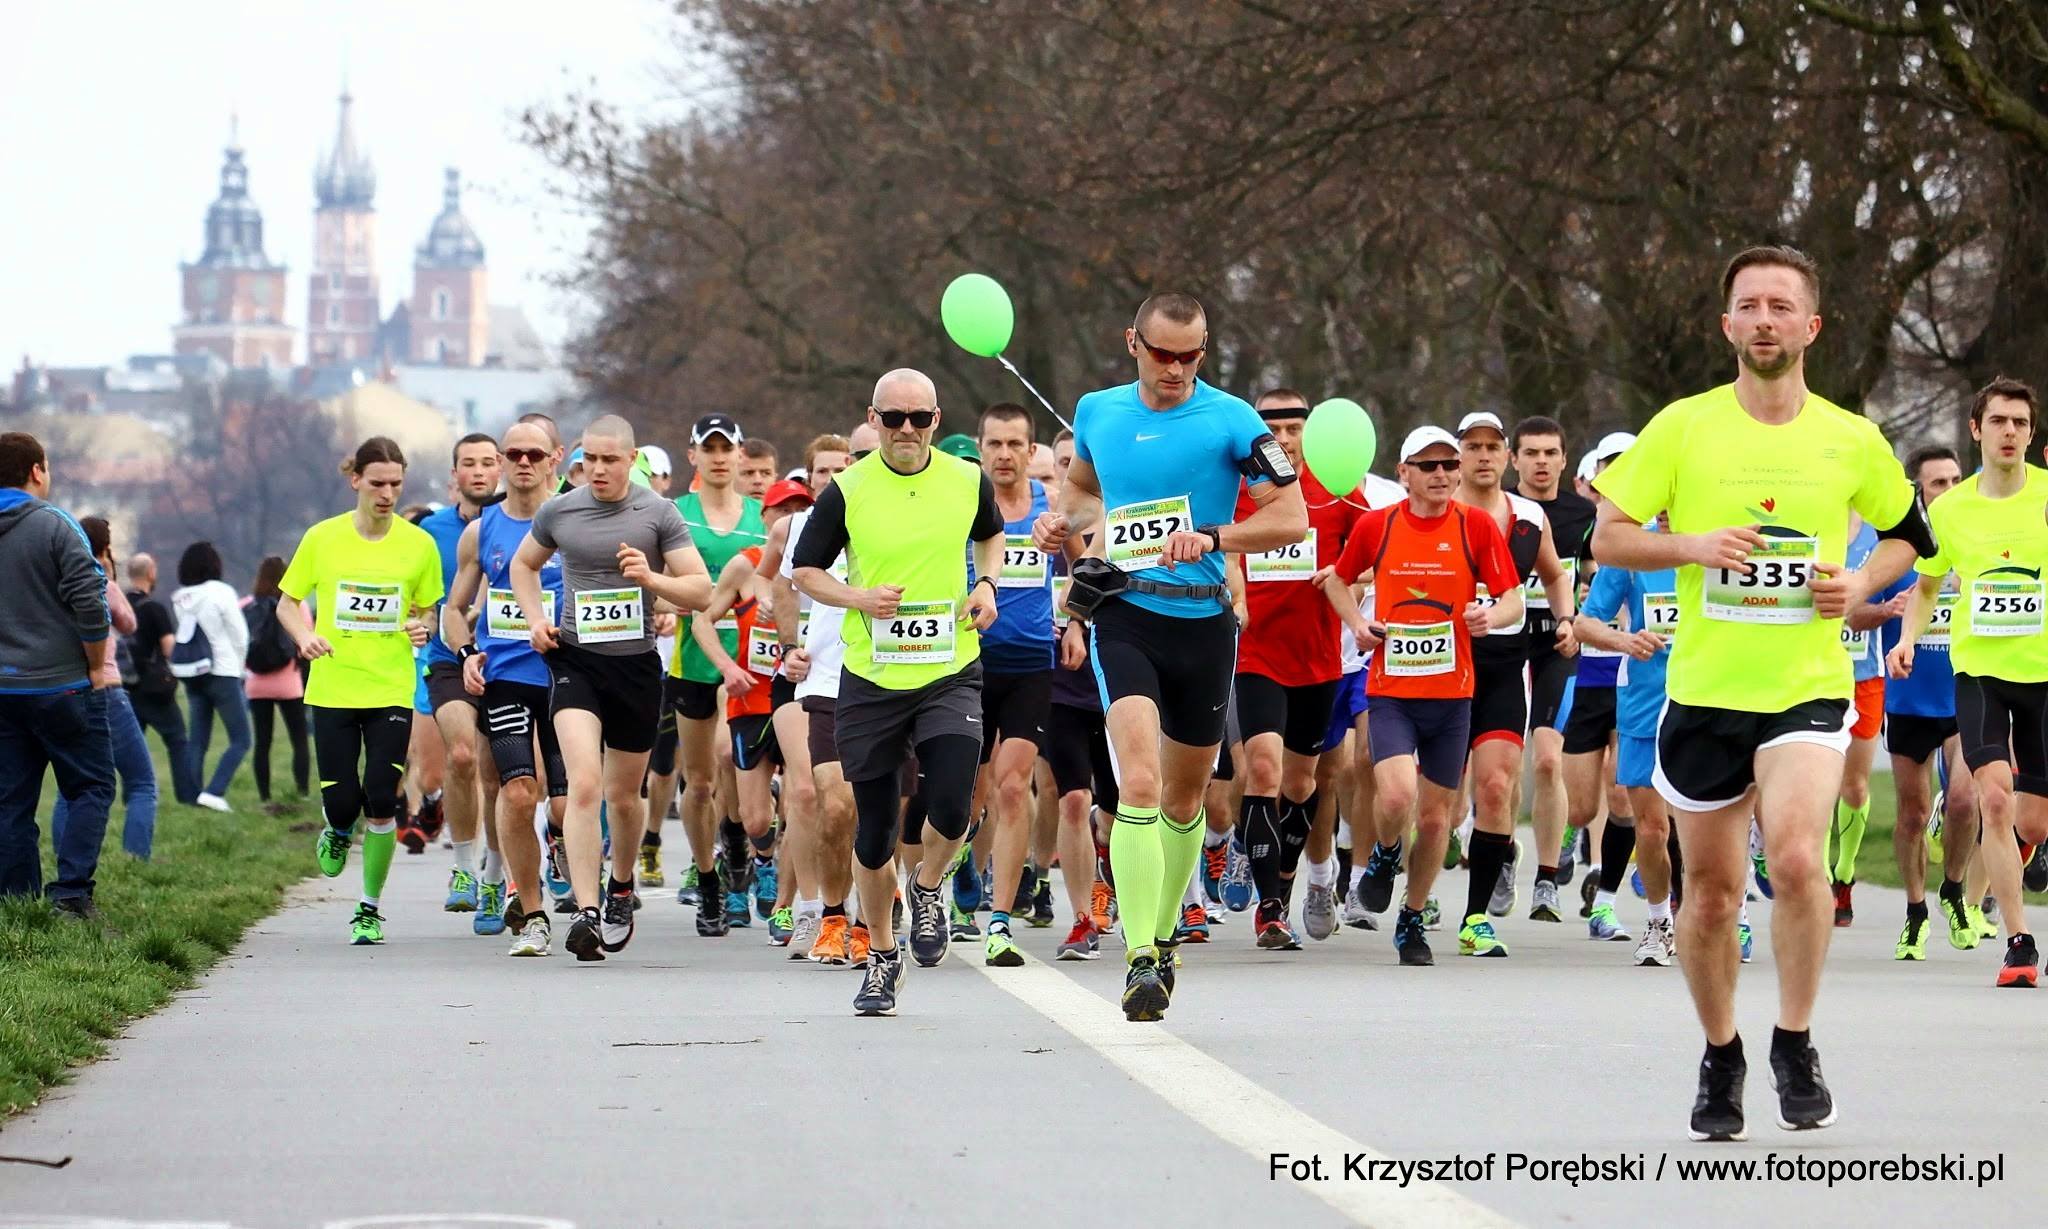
[
  {"x": 918, "y": 634},
  {"x": 1412, "y": 650},
  {"x": 1294, "y": 561},
  {"x": 1024, "y": 565},
  {"x": 607, "y": 615},
  {"x": 505, "y": 619},
  {"x": 1138, "y": 532},
  {"x": 1940, "y": 624},
  {"x": 2000, "y": 607},
  {"x": 360, "y": 606},
  {"x": 1660, "y": 613},
  {"x": 1772, "y": 590}
]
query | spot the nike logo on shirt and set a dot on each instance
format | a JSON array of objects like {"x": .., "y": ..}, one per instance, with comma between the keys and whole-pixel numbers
[{"x": 1142, "y": 437}]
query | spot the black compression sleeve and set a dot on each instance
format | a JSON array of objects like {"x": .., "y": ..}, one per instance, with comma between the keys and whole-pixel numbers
[
  {"x": 988, "y": 519},
  {"x": 825, "y": 532}
]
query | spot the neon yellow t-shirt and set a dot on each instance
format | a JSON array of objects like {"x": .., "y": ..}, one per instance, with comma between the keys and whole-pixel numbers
[
  {"x": 365, "y": 592},
  {"x": 1997, "y": 548},
  {"x": 1752, "y": 642}
]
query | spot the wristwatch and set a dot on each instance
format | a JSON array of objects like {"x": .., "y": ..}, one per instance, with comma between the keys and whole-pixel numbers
[
  {"x": 1215, "y": 533},
  {"x": 467, "y": 651}
]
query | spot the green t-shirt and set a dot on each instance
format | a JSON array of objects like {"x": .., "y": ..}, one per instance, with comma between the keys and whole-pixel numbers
[
  {"x": 1997, "y": 549},
  {"x": 364, "y": 592},
  {"x": 1752, "y": 642},
  {"x": 718, "y": 550}
]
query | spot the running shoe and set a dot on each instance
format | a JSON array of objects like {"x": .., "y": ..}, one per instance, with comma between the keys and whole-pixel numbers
[
  {"x": 686, "y": 890},
  {"x": 430, "y": 818},
  {"x": 616, "y": 928},
  {"x": 803, "y": 935},
  {"x": 1568, "y": 857},
  {"x": 1804, "y": 1103},
  {"x": 1027, "y": 887},
  {"x": 1981, "y": 918},
  {"x": 1376, "y": 888},
  {"x": 586, "y": 936},
  {"x": 414, "y": 840},
  {"x": 650, "y": 867},
  {"x": 1543, "y": 903},
  {"x": 966, "y": 884},
  {"x": 566, "y": 904},
  {"x": 736, "y": 911},
  {"x": 1194, "y": 925},
  {"x": 1746, "y": 938},
  {"x": 331, "y": 848},
  {"x": 1169, "y": 961},
  {"x": 1912, "y": 940},
  {"x": 711, "y": 919},
  {"x": 830, "y": 945},
  {"x": 1659, "y": 946},
  {"x": 1845, "y": 911},
  {"x": 1237, "y": 877},
  {"x": 462, "y": 892},
  {"x": 928, "y": 930},
  {"x": 1476, "y": 938},
  {"x": 1042, "y": 913},
  {"x": 1001, "y": 951},
  {"x": 1605, "y": 927},
  {"x": 1273, "y": 934},
  {"x": 533, "y": 937},
  {"x": 1102, "y": 906},
  {"x": 1410, "y": 941},
  {"x": 767, "y": 883},
  {"x": 1589, "y": 887},
  {"x": 878, "y": 985},
  {"x": 2021, "y": 960},
  {"x": 1717, "y": 1111},
  {"x": 2034, "y": 875},
  {"x": 1215, "y": 864},
  {"x": 1356, "y": 915},
  {"x": 490, "y": 910},
  {"x": 1763, "y": 874},
  {"x": 1319, "y": 912},
  {"x": 367, "y": 926},
  {"x": 964, "y": 929},
  {"x": 1145, "y": 995},
  {"x": 857, "y": 944},
  {"x": 1080, "y": 943},
  {"x": 987, "y": 903},
  {"x": 1962, "y": 928},
  {"x": 1454, "y": 848},
  {"x": 781, "y": 924},
  {"x": 1432, "y": 913},
  {"x": 1635, "y": 882},
  {"x": 1505, "y": 896},
  {"x": 558, "y": 866},
  {"x": 1935, "y": 820}
]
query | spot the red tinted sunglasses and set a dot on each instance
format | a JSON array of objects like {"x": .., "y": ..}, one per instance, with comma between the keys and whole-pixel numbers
[
  {"x": 1186, "y": 358},
  {"x": 532, "y": 456}
]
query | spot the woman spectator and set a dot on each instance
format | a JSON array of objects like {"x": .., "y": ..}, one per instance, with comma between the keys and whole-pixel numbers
[
  {"x": 131, "y": 754},
  {"x": 278, "y": 691},
  {"x": 211, "y": 645}
]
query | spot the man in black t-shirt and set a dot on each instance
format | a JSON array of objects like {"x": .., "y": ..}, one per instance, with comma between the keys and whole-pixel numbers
[{"x": 154, "y": 693}]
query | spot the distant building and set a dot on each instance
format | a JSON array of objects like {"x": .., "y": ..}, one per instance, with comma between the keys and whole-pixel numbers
[
  {"x": 450, "y": 317},
  {"x": 234, "y": 294},
  {"x": 342, "y": 302}
]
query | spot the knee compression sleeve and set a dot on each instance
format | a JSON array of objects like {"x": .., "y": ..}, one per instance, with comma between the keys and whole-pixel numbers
[
  {"x": 949, "y": 763},
  {"x": 874, "y": 831}
]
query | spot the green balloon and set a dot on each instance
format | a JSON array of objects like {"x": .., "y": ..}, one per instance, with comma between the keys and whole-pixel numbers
[
  {"x": 1338, "y": 443},
  {"x": 977, "y": 314}
]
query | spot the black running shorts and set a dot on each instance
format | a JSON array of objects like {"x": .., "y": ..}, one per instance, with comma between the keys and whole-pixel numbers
[
  {"x": 1706, "y": 757},
  {"x": 1299, "y": 715},
  {"x": 1182, "y": 665},
  {"x": 624, "y": 692},
  {"x": 2005, "y": 723}
]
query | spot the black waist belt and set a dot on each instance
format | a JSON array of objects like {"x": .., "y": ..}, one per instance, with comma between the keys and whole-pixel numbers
[{"x": 1135, "y": 585}]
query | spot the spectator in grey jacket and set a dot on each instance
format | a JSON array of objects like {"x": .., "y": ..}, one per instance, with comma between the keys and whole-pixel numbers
[
  {"x": 54, "y": 643},
  {"x": 212, "y": 642}
]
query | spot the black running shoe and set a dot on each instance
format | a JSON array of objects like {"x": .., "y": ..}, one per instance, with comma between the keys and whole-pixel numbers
[
  {"x": 1376, "y": 890},
  {"x": 879, "y": 983},
  {"x": 711, "y": 919},
  {"x": 1804, "y": 1103},
  {"x": 1145, "y": 995},
  {"x": 1169, "y": 962},
  {"x": 1042, "y": 912},
  {"x": 930, "y": 934},
  {"x": 1410, "y": 941},
  {"x": 1717, "y": 1111},
  {"x": 586, "y": 936},
  {"x": 2035, "y": 874}
]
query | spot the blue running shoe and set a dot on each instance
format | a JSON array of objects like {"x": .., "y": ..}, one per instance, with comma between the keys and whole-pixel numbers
[
  {"x": 1763, "y": 875},
  {"x": 1376, "y": 887},
  {"x": 765, "y": 884},
  {"x": 736, "y": 911},
  {"x": 1748, "y": 939},
  {"x": 1237, "y": 878},
  {"x": 490, "y": 910},
  {"x": 556, "y": 867},
  {"x": 966, "y": 884},
  {"x": 462, "y": 892},
  {"x": 1635, "y": 880}
]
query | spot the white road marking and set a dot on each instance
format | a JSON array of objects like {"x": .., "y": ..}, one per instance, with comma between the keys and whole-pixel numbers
[{"x": 1234, "y": 1108}]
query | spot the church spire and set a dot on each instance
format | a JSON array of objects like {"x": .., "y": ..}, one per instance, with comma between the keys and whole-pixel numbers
[{"x": 344, "y": 179}]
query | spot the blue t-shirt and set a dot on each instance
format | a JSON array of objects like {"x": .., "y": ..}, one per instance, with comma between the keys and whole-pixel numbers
[
  {"x": 1870, "y": 663},
  {"x": 510, "y": 658},
  {"x": 1144, "y": 456},
  {"x": 1601, "y": 668},
  {"x": 1640, "y": 699},
  {"x": 445, "y": 527},
  {"x": 1020, "y": 640},
  {"x": 1930, "y": 691}
]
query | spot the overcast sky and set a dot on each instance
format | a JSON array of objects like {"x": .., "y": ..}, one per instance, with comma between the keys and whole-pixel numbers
[{"x": 114, "y": 117}]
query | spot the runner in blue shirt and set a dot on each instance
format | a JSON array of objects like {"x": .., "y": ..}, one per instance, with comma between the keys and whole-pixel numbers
[
  {"x": 1860, "y": 641},
  {"x": 1157, "y": 466}
]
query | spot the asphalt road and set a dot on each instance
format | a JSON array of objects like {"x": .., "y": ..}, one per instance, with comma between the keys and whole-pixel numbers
[{"x": 434, "y": 1081}]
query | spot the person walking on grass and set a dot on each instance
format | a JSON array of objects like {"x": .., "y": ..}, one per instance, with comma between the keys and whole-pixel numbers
[
  {"x": 124, "y": 732},
  {"x": 275, "y": 686},
  {"x": 212, "y": 641}
]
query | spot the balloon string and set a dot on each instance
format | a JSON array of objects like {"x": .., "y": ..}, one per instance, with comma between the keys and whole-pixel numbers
[{"x": 1034, "y": 392}]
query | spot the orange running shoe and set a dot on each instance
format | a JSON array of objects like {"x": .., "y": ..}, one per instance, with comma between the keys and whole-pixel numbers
[
  {"x": 831, "y": 945},
  {"x": 2021, "y": 957},
  {"x": 1194, "y": 924},
  {"x": 1102, "y": 907},
  {"x": 857, "y": 944}
]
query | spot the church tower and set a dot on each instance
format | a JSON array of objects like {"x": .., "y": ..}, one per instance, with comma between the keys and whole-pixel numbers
[
  {"x": 451, "y": 321},
  {"x": 233, "y": 294},
  {"x": 341, "y": 299}
]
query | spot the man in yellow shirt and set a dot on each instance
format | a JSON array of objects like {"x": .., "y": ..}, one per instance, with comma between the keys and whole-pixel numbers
[{"x": 1759, "y": 478}]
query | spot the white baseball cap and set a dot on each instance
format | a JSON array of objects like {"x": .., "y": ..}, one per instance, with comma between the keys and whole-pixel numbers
[
  {"x": 1422, "y": 438},
  {"x": 1612, "y": 445},
  {"x": 1481, "y": 418},
  {"x": 658, "y": 463}
]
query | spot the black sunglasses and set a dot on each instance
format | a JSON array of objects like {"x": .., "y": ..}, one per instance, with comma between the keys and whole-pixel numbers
[
  {"x": 920, "y": 419},
  {"x": 1186, "y": 358},
  {"x": 1437, "y": 466},
  {"x": 532, "y": 456}
]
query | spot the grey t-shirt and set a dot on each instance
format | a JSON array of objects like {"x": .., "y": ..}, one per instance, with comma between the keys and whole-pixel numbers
[{"x": 588, "y": 532}]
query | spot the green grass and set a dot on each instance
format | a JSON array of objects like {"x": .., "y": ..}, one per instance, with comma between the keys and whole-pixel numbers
[{"x": 68, "y": 988}]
